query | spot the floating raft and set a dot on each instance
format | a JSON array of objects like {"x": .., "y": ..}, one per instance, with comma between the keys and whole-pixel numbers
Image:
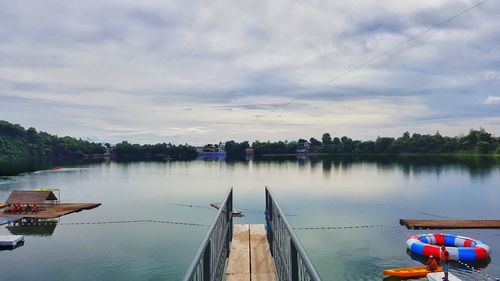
[
  {"x": 438, "y": 276},
  {"x": 11, "y": 240},
  {"x": 450, "y": 224},
  {"x": 53, "y": 211}
]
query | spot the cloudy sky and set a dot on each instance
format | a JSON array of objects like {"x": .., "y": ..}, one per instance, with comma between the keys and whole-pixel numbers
[{"x": 203, "y": 71}]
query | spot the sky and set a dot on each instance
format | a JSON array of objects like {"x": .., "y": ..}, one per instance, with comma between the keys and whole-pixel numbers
[{"x": 207, "y": 71}]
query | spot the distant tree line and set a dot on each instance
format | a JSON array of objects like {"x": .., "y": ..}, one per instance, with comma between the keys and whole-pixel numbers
[
  {"x": 28, "y": 144},
  {"x": 475, "y": 142},
  {"x": 128, "y": 151},
  {"x": 17, "y": 143}
]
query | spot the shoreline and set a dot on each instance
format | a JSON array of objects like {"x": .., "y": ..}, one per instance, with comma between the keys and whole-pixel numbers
[{"x": 9, "y": 168}]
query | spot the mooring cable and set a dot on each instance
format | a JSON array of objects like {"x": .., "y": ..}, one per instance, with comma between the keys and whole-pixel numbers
[
  {"x": 133, "y": 221},
  {"x": 338, "y": 227}
]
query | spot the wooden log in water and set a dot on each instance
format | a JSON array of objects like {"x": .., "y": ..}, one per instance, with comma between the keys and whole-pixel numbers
[{"x": 450, "y": 224}]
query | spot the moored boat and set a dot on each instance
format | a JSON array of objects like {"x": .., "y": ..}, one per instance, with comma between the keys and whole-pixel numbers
[{"x": 419, "y": 271}]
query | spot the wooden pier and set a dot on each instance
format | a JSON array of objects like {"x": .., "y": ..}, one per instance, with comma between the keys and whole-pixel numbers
[
  {"x": 450, "y": 224},
  {"x": 250, "y": 257}
]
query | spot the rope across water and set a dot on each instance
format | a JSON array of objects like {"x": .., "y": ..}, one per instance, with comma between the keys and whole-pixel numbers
[
  {"x": 395, "y": 228},
  {"x": 133, "y": 221}
]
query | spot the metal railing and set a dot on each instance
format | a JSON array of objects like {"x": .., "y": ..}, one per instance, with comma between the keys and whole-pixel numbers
[
  {"x": 210, "y": 260},
  {"x": 290, "y": 258}
]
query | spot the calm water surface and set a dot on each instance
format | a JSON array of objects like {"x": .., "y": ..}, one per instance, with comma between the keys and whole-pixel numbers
[{"x": 340, "y": 192}]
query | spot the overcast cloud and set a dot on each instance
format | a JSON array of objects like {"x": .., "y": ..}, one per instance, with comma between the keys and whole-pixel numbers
[{"x": 209, "y": 71}]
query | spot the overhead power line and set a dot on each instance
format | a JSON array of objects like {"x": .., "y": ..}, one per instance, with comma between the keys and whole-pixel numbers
[{"x": 370, "y": 60}]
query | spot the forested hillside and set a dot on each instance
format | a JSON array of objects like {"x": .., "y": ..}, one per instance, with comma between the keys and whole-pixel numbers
[{"x": 19, "y": 143}]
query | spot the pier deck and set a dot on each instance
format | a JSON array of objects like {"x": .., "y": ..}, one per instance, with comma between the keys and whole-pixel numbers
[
  {"x": 450, "y": 224},
  {"x": 250, "y": 257}
]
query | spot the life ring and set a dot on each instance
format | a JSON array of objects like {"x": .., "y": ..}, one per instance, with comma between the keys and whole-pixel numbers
[{"x": 460, "y": 247}]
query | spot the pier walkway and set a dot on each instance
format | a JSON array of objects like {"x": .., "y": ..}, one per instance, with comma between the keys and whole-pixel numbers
[
  {"x": 250, "y": 257},
  {"x": 251, "y": 252}
]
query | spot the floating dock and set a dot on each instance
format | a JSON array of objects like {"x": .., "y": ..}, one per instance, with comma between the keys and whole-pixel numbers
[
  {"x": 11, "y": 240},
  {"x": 450, "y": 224},
  {"x": 52, "y": 211},
  {"x": 250, "y": 257},
  {"x": 438, "y": 276}
]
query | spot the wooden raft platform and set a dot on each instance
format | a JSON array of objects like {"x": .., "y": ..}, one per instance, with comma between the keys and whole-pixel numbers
[
  {"x": 52, "y": 211},
  {"x": 250, "y": 257},
  {"x": 450, "y": 224}
]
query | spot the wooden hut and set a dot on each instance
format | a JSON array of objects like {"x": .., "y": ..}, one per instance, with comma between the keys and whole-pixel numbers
[{"x": 31, "y": 197}]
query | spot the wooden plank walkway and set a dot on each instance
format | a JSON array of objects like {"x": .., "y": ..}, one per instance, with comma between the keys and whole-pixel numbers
[
  {"x": 250, "y": 258},
  {"x": 450, "y": 224}
]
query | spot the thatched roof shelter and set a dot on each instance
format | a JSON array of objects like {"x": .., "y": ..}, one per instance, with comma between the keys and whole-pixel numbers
[{"x": 31, "y": 197}]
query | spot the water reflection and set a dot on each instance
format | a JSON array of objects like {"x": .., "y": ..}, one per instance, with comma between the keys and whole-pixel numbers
[
  {"x": 33, "y": 228},
  {"x": 8, "y": 168},
  {"x": 476, "y": 166},
  {"x": 320, "y": 191}
]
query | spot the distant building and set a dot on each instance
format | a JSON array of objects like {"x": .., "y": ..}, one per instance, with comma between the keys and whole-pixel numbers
[
  {"x": 303, "y": 146},
  {"x": 302, "y": 150},
  {"x": 104, "y": 155},
  {"x": 212, "y": 151}
]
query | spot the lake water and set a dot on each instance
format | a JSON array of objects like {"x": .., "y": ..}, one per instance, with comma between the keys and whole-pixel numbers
[{"x": 320, "y": 192}]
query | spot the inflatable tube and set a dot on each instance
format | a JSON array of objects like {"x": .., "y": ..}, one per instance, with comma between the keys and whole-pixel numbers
[{"x": 460, "y": 248}]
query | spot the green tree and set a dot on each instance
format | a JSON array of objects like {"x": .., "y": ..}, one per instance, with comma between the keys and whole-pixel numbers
[
  {"x": 483, "y": 147},
  {"x": 315, "y": 142},
  {"x": 327, "y": 139}
]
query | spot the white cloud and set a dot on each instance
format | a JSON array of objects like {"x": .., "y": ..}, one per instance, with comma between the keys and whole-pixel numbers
[
  {"x": 492, "y": 100},
  {"x": 491, "y": 75},
  {"x": 98, "y": 65}
]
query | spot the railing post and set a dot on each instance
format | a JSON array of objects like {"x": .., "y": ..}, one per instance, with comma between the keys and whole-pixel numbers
[
  {"x": 209, "y": 261},
  {"x": 269, "y": 217},
  {"x": 206, "y": 262},
  {"x": 290, "y": 258},
  {"x": 229, "y": 220},
  {"x": 294, "y": 262}
]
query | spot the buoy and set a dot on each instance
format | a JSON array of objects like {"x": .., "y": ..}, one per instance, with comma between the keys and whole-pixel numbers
[{"x": 460, "y": 247}]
